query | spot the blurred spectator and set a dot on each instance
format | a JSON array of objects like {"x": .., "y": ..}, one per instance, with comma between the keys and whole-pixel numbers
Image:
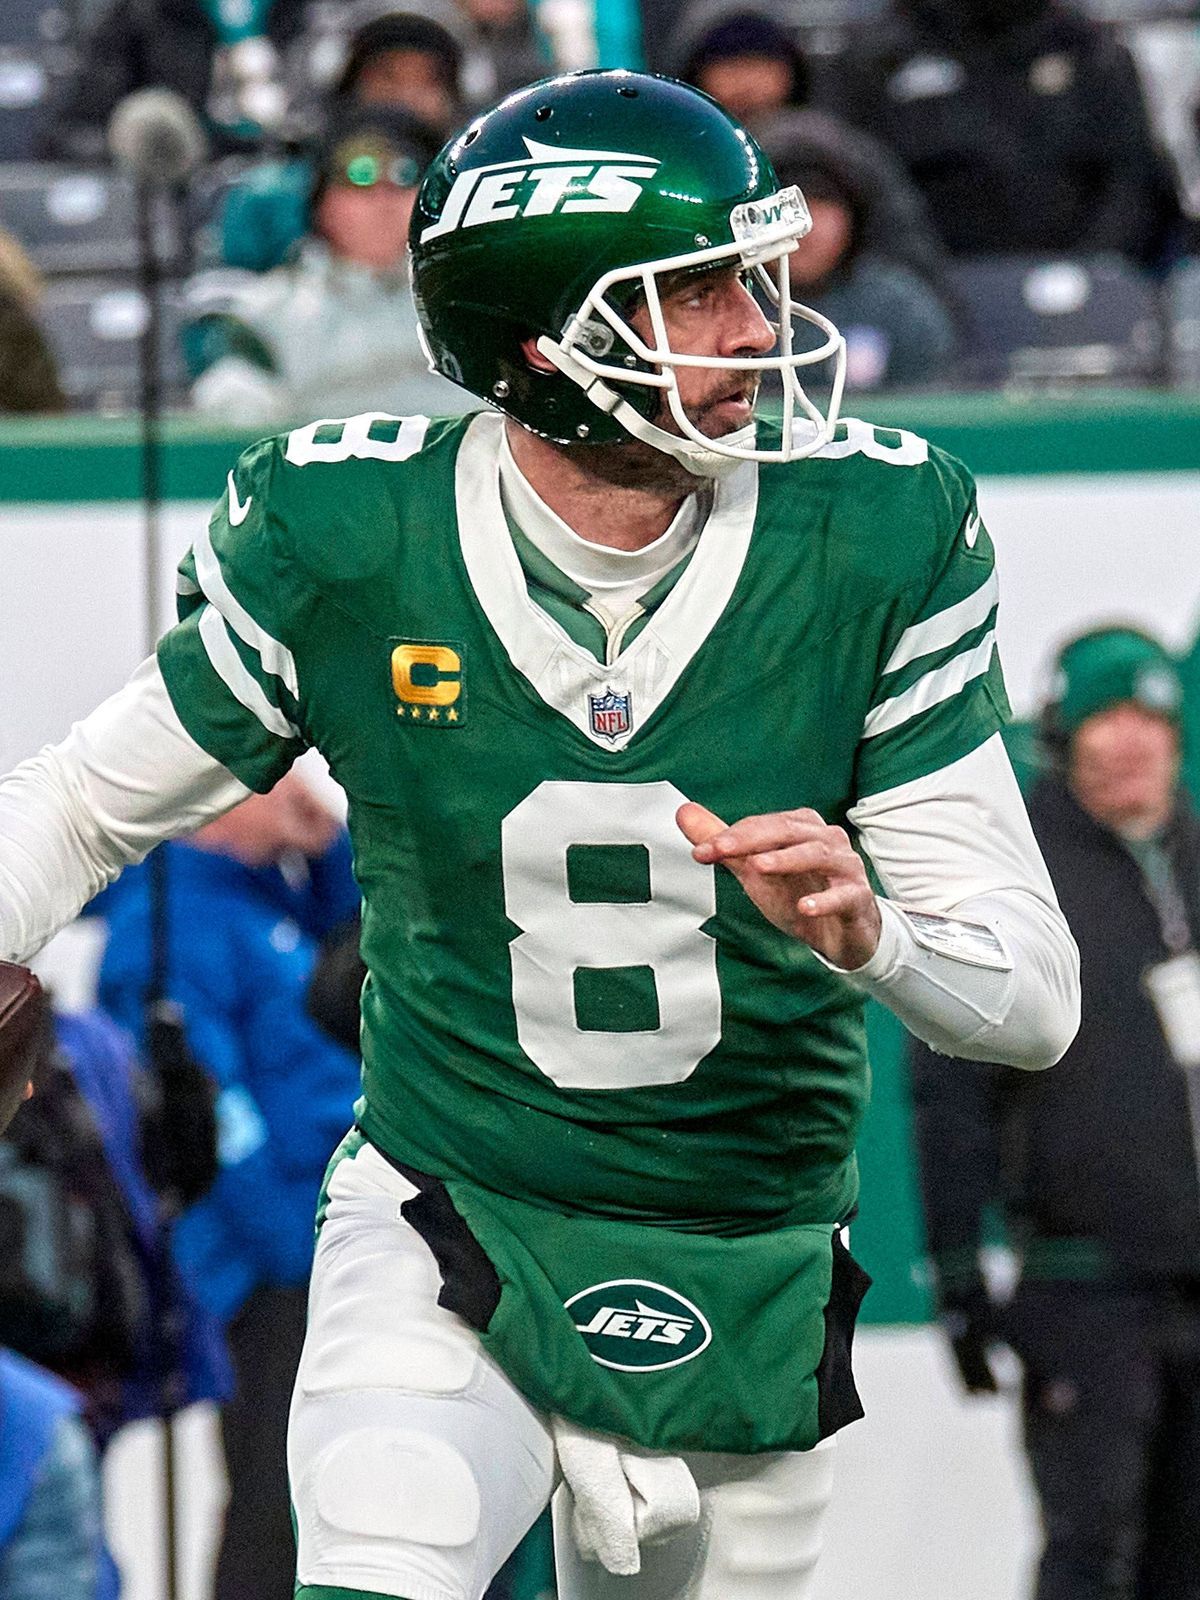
[
  {"x": 741, "y": 56},
  {"x": 510, "y": 42},
  {"x": 418, "y": 62},
  {"x": 1095, "y": 1163},
  {"x": 332, "y": 332},
  {"x": 177, "y": 1348},
  {"x": 86, "y": 1284},
  {"x": 51, "y": 1538},
  {"x": 222, "y": 56},
  {"x": 413, "y": 59},
  {"x": 895, "y": 219},
  {"x": 852, "y": 266},
  {"x": 249, "y": 897},
  {"x": 1021, "y": 121},
  {"x": 28, "y": 380}
]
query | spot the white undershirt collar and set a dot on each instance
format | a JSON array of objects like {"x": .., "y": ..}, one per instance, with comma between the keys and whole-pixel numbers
[{"x": 613, "y": 577}]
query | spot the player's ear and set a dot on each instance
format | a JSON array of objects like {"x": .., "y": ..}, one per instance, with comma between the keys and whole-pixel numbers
[{"x": 534, "y": 356}]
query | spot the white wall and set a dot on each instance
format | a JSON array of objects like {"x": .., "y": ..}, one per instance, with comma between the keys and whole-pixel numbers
[{"x": 1073, "y": 551}]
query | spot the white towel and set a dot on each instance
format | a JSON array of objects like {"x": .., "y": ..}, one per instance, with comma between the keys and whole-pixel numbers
[{"x": 624, "y": 1497}]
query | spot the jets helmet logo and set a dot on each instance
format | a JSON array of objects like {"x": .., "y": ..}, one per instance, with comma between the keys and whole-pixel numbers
[
  {"x": 634, "y": 1325},
  {"x": 552, "y": 181}
]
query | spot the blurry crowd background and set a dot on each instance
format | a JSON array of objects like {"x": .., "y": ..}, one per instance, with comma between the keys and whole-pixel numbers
[{"x": 1004, "y": 192}]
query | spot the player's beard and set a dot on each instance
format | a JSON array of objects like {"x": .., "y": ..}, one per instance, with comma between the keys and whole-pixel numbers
[{"x": 633, "y": 464}]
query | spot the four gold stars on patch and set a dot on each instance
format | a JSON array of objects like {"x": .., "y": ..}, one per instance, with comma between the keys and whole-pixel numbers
[{"x": 431, "y": 715}]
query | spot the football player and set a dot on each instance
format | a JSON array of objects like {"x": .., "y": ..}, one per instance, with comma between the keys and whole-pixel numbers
[{"x": 623, "y": 681}]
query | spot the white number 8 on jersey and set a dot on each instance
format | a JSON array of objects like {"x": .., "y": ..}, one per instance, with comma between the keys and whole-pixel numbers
[{"x": 560, "y": 936}]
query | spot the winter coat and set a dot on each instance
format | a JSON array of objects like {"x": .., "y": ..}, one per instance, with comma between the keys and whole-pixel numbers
[
  {"x": 1032, "y": 140},
  {"x": 51, "y": 1540},
  {"x": 317, "y": 336},
  {"x": 898, "y": 332},
  {"x": 1094, "y": 1161},
  {"x": 242, "y": 946}
]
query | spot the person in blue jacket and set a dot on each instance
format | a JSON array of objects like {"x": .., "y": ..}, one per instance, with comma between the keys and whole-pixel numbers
[
  {"x": 249, "y": 899},
  {"x": 178, "y": 1354},
  {"x": 51, "y": 1540}
]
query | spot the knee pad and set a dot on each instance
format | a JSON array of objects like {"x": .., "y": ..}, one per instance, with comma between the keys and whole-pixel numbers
[
  {"x": 378, "y": 1483},
  {"x": 389, "y": 1510}
]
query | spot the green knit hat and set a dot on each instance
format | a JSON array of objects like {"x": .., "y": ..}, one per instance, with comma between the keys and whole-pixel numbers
[{"x": 1109, "y": 666}]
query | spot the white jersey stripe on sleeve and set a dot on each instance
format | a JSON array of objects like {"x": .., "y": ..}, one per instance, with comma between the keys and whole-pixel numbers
[
  {"x": 939, "y": 632},
  {"x": 231, "y": 670},
  {"x": 936, "y": 686},
  {"x": 276, "y": 657}
]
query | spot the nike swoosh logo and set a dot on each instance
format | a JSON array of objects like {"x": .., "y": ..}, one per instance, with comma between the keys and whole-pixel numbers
[
  {"x": 237, "y": 511},
  {"x": 970, "y": 532}
]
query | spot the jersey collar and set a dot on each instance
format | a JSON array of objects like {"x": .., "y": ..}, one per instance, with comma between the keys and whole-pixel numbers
[{"x": 566, "y": 676}]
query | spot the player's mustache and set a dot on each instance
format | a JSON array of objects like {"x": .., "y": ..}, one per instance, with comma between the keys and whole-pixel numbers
[{"x": 735, "y": 391}]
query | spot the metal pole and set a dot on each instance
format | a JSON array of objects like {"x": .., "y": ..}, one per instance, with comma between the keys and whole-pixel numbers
[{"x": 166, "y": 1331}]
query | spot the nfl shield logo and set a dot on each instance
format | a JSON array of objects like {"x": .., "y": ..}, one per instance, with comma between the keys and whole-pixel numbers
[{"x": 610, "y": 714}]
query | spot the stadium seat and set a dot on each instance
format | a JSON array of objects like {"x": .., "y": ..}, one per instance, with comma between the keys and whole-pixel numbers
[
  {"x": 94, "y": 325},
  {"x": 24, "y": 94},
  {"x": 39, "y": 42},
  {"x": 1183, "y": 323},
  {"x": 34, "y": 24},
  {"x": 72, "y": 219},
  {"x": 1044, "y": 320}
]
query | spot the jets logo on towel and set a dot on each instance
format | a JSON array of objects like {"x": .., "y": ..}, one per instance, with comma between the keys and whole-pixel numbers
[{"x": 637, "y": 1326}]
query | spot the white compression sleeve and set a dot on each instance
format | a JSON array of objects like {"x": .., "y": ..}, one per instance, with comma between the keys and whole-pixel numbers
[
  {"x": 72, "y": 816},
  {"x": 959, "y": 842}
]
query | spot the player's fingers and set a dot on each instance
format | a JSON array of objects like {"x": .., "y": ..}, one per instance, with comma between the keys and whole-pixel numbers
[
  {"x": 823, "y": 856},
  {"x": 773, "y": 831},
  {"x": 840, "y": 900},
  {"x": 698, "y": 825}
]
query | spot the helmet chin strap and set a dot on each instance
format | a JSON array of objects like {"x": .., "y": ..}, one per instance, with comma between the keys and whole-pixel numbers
[{"x": 699, "y": 461}]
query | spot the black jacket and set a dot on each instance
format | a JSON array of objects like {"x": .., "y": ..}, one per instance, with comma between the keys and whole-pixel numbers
[
  {"x": 1093, "y": 1161},
  {"x": 1032, "y": 140}
]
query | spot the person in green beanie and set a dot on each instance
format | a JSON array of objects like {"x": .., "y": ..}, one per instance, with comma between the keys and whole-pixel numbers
[{"x": 1095, "y": 1166}]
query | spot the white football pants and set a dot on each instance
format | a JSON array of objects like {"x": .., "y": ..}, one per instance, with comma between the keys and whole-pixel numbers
[{"x": 417, "y": 1467}]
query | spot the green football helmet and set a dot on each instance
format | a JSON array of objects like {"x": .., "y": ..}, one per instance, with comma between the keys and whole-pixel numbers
[{"x": 554, "y": 215}]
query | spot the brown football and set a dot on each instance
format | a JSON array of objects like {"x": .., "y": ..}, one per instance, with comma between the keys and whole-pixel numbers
[{"x": 24, "y": 1017}]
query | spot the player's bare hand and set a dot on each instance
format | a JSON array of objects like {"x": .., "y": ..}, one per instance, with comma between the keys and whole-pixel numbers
[{"x": 802, "y": 873}]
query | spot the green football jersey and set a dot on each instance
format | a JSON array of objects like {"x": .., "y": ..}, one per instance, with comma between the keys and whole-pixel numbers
[{"x": 562, "y": 1005}]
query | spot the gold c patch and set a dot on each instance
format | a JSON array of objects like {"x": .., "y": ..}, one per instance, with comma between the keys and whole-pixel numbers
[{"x": 428, "y": 681}]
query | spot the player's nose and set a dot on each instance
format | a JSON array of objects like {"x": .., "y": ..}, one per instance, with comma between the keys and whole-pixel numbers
[{"x": 746, "y": 330}]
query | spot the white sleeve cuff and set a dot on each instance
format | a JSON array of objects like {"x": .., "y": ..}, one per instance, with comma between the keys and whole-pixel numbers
[
  {"x": 953, "y": 1003},
  {"x": 956, "y": 848}
]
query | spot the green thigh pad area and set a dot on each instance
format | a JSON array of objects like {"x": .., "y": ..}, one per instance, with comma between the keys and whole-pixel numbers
[{"x": 679, "y": 1341}]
